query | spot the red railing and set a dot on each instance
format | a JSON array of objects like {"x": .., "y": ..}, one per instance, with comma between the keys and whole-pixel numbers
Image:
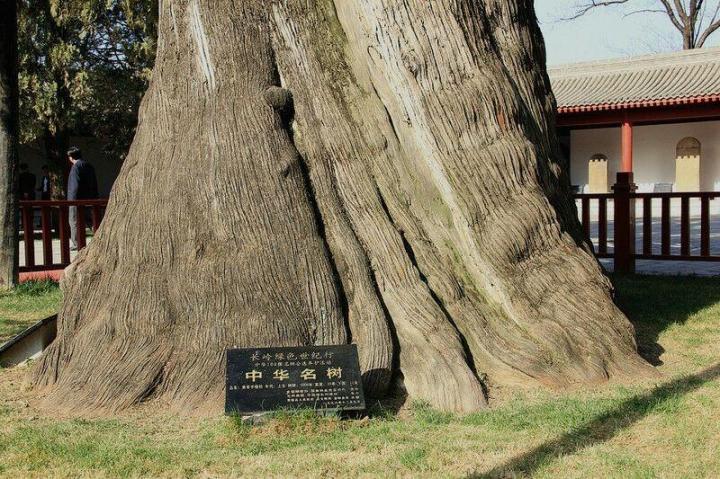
[
  {"x": 54, "y": 230},
  {"x": 586, "y": 203},
  {"x": 629, "y": 243},
  {"x": 616, "y": 239}
]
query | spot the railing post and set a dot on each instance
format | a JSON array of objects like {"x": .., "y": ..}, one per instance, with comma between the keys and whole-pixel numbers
[
  {"x": 81, "y": 243},
  {"x": 624, "y": 223},
  {"x": 26, "y": 213},
  {"x": 64, "y": 227},
  {"x": 705, "y": 226},
  {"x": 46, "y": 236}
]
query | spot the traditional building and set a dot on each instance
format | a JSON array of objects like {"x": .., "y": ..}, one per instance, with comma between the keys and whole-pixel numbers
[{"x": 657, "y": 116}]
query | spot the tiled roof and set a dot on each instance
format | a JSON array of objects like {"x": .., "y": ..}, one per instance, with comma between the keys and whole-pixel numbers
[{"x": 691, "y": 76}]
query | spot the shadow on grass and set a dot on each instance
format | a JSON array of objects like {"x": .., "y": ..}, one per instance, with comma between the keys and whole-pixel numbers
[
  {"x": 603, "y": 427},
  {"x": 655, "y": 303}
]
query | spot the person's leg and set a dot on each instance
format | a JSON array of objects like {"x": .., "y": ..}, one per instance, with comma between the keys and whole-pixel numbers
[{"x": 72, "y": 219}]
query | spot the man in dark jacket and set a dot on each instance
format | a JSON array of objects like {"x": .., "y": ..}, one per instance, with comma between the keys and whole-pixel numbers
[
  {"x": 45, "y": 184},
  {"x": 26, "y": 183},
  {"x": 82, "y": 185}
]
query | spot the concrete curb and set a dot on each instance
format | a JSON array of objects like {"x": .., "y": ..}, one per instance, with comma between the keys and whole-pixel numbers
[{"x": 30, "y": 343}]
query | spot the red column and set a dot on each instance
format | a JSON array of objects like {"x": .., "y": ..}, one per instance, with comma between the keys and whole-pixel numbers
[{"x": 627, "y": 148}]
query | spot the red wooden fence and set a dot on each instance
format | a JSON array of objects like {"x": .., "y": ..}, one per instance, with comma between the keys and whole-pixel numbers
[
  {"x": 624, "y": 200},
  {"x": 52, "y": 219}
]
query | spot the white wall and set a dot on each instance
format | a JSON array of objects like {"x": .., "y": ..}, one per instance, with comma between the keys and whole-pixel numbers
[{"x": 653, "y": 152}]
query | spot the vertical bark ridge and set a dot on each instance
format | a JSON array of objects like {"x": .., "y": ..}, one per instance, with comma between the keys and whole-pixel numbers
[
  {"x": 423, "y": 277},
  {"x": 366, "y": 317},
  {"x": 306, "y": 62}
]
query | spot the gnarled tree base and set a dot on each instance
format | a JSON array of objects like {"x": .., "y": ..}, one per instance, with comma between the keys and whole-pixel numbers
[{"x": 318, "y": 172}]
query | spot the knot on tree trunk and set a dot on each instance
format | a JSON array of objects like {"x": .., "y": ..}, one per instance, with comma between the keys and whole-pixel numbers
[{"x": 279, "y": 98}]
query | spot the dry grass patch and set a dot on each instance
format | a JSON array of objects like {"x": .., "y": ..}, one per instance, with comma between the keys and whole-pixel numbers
[
  {"x": 28, "y": 303},
  {"x": 667, "y": 429}
]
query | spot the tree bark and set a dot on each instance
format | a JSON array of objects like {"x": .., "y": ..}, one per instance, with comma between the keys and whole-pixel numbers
[
  {"x": 315, "y": 172},
  {"x": 9, "y": 127}
]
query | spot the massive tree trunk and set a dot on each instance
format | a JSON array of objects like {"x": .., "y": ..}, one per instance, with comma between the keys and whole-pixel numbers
[
  {"x": 307, "y": 172},
  {"x": 9, "y": 127}
]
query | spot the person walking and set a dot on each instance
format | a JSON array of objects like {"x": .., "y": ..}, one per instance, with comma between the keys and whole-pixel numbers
[
  {"x": 82, "y": 185},
  {"x": 45, "y": 184},
  {"x": 26, "y": 183}
]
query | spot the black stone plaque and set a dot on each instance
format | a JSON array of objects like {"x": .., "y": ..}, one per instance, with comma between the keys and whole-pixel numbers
[{"x": 314, "y": 377}]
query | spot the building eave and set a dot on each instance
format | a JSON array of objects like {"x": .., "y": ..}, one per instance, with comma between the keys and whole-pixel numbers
[
  {"x": 645, "y": 114},
  {"x": 649, "y": 103}
]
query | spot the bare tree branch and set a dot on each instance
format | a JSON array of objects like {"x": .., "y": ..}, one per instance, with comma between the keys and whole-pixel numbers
[
  {"x": 713, "y": 24},
  {"x": 696, "y": 20},
  {"x": 679, "y": 10},
  {"x": 706, "y": 34},
  {"x": 672, "y": 16},
  {"x": 646, "y": 10},
  {"x": 583, "y": 9}
]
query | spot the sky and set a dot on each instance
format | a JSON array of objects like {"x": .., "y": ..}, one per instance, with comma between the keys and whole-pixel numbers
[{"x": 605, "y": 33}]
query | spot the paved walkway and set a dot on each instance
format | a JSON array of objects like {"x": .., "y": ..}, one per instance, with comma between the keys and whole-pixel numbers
[{"x": 698, "y": 268}]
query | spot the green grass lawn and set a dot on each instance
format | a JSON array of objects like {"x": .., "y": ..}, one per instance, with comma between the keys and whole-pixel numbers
[
  {"x": 670, "y": 428},
  {"x": 27, "y": 304}
]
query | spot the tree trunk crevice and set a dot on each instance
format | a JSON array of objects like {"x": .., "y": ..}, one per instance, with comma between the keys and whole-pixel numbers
[{"x": 463, "y": 340}]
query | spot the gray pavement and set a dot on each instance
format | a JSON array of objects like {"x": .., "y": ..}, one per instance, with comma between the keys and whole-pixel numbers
[{"x": 697, "y": 268}]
